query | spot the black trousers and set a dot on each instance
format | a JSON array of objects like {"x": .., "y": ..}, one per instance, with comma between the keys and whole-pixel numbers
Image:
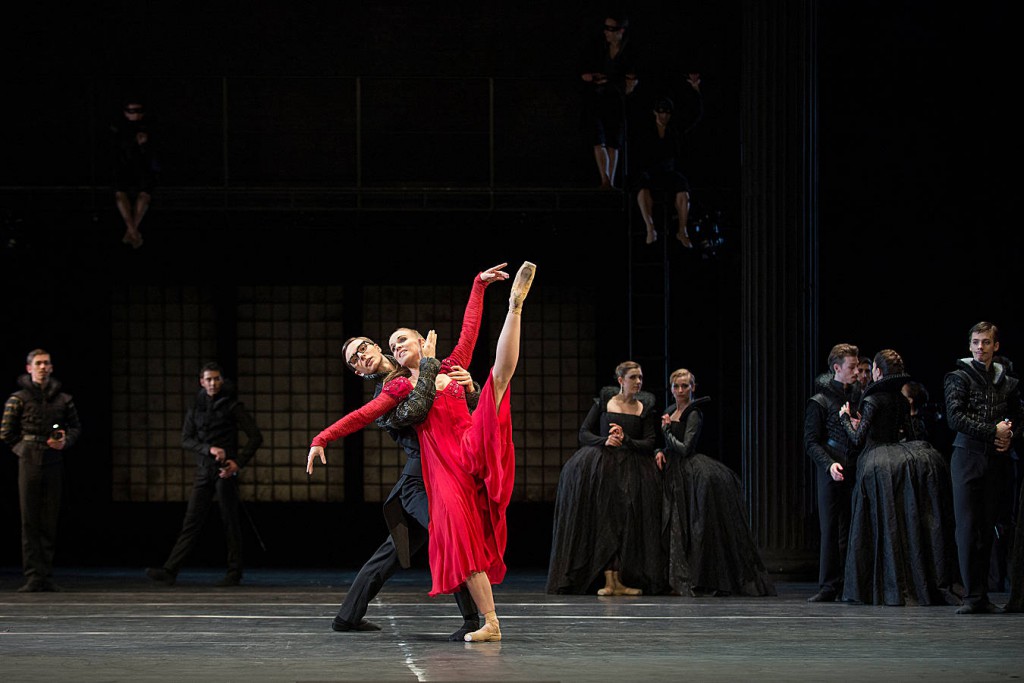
[
  {"x": 207, "y": 483},
  {"x": 1016, "y": 570},
  {"x": 40, "y": 482},
  {"x": 384, "y": 562},
  {"x": 834, "y": 525},
  {"x": 978, "y": 483}
]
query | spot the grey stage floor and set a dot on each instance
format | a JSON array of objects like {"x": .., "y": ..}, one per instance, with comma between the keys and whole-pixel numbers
[{"x": 113, "y": 625}]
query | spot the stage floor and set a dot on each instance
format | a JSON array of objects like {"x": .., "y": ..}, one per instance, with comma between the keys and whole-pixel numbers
[{"x": 115, "y": 625}]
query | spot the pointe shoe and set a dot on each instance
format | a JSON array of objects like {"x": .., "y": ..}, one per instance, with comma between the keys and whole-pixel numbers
[
  {"x": 652, "y": 235},
  {"x": 684, "y": 238},
  {"x": 490, "y": 632},
  {"x": 521, "y": 287},
  {"x": 622, "y": 589},
  {"x": 609, "y": 584}
]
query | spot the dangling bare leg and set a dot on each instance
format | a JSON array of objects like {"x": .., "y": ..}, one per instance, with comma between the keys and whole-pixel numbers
[
  {"x": 646, "y": 203},
  {"x": 613, "y": 164},
  {"x": 141, "y": 206},
  {"x": 601, "y": 158},
  {"x": 506, "y": 355},
  {"x": 683, "y": 212},
  {"x": 124, "y": 207},
  {"x": 480, "y": 588}
]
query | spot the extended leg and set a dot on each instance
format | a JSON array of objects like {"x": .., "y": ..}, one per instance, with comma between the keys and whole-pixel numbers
[
  {"x": 507, "y": 352},
  {"x": 368, "y": 582}
]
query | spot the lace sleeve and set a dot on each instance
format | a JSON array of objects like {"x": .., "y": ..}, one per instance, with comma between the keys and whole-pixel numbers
[
  {"x": 419, "y": 400},
  {"x": 867, "y": 416}
]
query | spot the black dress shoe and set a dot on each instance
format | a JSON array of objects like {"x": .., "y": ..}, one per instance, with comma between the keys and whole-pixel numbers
[
  {"x": 32, "y": 587},
  {"x": 161, "y": 575},
  {"x": 468, "y": 626},
  {"x": 364, "y": 625},
  {"x": 232, "y": 578},
  {"x": 824, "y": 595}
]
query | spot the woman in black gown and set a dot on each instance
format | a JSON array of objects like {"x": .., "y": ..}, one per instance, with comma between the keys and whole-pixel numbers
[
  {"x": 711, "y": 550},
  {"x": 901, "y": 549},
  {"x": 606, "y": 535}
]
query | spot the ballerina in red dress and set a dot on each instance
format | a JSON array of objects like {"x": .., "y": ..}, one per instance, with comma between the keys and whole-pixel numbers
[{"x": 468, "y": 459}]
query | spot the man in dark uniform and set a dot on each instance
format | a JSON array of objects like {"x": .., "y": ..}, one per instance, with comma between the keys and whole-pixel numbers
[
  {"x": 211, "y": 432},
  {"x": 982, "y": 407},
  {"x": 406, "y": 509},
  {"x": 828, "y": 445},
  {"x": 39, "y": 423}
]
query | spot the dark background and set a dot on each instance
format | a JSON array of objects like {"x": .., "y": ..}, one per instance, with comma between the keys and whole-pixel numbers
[{"x": 257, "y": 99}]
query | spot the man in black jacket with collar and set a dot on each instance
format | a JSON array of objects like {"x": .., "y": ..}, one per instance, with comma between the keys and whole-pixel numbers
[
  {"x": 983, "y": 405},
  {"x": 39, "y": 423},
  {"x": 834, "y": 455},
  {"x": 211, "y": 432}
]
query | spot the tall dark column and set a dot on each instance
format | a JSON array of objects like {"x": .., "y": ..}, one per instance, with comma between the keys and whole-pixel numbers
[{"x": 779, "y": 210}]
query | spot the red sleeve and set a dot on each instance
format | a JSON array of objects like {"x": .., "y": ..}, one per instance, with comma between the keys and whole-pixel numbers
[
  {"x": 463, "y": 352},
  {"x": 392, "y": 393}
]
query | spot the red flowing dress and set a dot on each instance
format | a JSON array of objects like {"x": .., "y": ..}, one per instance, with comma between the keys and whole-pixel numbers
[{"x": 468, "y": 465}]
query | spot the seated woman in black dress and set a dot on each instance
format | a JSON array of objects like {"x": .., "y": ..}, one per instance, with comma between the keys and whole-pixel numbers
[
  {"x": 901, "y": 549},
  {"x": 606, "y": 534},
  {"x": 711, "y": 550}
]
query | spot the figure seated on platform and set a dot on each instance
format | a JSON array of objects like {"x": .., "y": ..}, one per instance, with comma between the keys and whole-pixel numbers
[{"x": 656, "y": 152}]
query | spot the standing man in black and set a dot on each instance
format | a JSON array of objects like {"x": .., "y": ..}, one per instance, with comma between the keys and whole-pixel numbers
[
  {"x": 405, "y": 510},
  {"x": 211, "y": 432},
  {"x": 39, "y": 423},
  {"x": 982, "y": 407},
  {"x": 835, "y": 457}
]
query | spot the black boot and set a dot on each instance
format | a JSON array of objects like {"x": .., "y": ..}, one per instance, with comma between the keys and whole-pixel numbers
[
  {"x": 161, "y": 575},
  {"x": 470, "y": 615},
  {"x": 232, "y": 578}
]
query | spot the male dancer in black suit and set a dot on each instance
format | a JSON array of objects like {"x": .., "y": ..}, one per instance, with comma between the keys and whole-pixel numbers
[
  {"x": 835, "y": 457},
  {"x": 983, "y": 406},
  {"x": 405, "y": 509}
]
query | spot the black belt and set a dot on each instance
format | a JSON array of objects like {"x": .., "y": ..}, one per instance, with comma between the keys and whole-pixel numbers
[{"x": 841, "y": 447}]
